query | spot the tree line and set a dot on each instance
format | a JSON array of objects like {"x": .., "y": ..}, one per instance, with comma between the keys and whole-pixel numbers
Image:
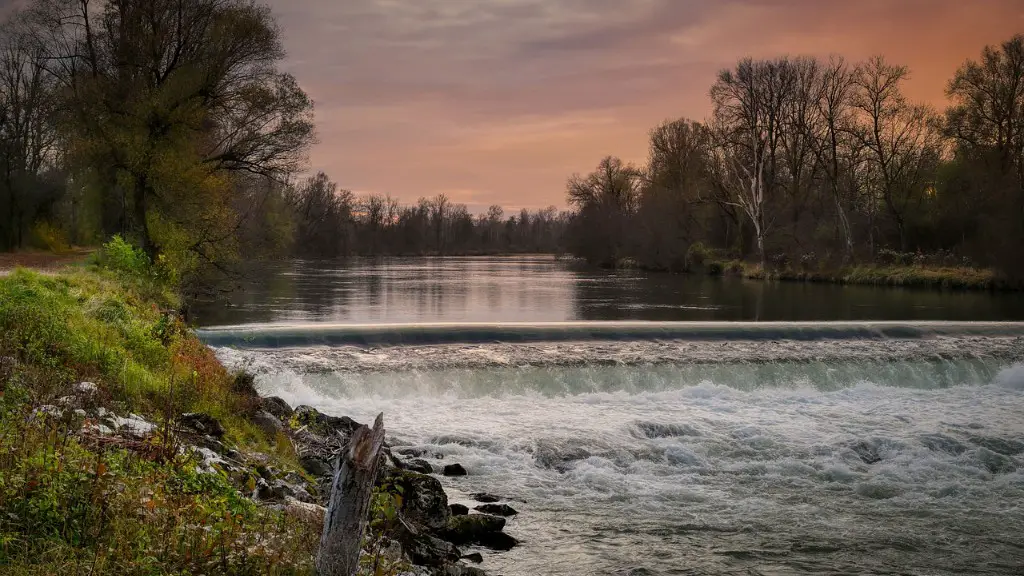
[
  {"x": 809, "y": 162},
  {"x": 170, "y": 123}
]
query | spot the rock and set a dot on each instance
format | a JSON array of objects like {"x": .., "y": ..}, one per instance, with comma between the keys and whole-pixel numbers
[
  {"x": 276, "y": 406},
  {"x": 475, "y": 557},
  {"x": 454, "y": 470},
  {"x": 264, "y": 492},
  {"x": 269, "y": 423},
  {"x": 558, "y": 458},
  {"x": 424, "y": 549},
  {"x": 86, "y": 389},
  {"x": 202, "y": 424},
  {"x": 498, "y": 541},
  {"x": 245, "y": 385},
  {"x": 419, "y": 465},
  {"x": 485, "y": 497},
  {"x": 462, "y": 570},
  {"x": 307, "y": 512},
  {"x": 133, "y": 425},
  {"x": 424, "y": 501},
  {"x": 497, "y": 509},
  {"x": 414, "y": 452},
  {"x": 324, "y": 424},
  {"x": 315, "y": 466},
  {"x": 866, "y": 452},
  {"x": 471, "y": 529},
  {"x": 458, "y": 509}
]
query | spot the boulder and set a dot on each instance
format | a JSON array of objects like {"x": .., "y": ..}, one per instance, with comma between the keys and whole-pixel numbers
[
  {"x": 475, "y": 557},
  {"x": 267, "y": 422},
  {"x": 419, "y": 465},
  {"x": 458, "y": 569},
  {"x": 458, "y": 509},
  {"x": 485, "y": 497},
  {"x": 276, "y": 406},
  {"x": 557, "y": 457},
  {"x": 202, "y": 424},
  {"x": 424, "y": 501},
  {"x": 497, "y": 541},
  {"x": 315, "y": 466},
  {"x": 85, "y": 389},
  {"x": 424, "y": 549},
  {"x": 324, "y": 424},
  {"x": 497, "y": 509},
  {"x": 454, "y": 470},
  {"x": 471, "y": 529}
]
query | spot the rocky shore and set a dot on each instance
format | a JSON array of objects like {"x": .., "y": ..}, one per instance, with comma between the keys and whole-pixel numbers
[{"x": 426, "y": 536}]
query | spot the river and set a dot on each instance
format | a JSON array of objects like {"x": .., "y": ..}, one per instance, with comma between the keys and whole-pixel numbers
[{"x": 669, "y": 424}]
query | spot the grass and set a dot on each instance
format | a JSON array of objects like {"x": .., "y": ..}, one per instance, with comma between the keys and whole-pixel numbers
[
  {"x": 75, "y": 503},
  {"x": 916, "y": 276}
]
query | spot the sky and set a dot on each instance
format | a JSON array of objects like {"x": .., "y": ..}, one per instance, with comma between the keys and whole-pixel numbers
[{"x": 500, "y": 101}]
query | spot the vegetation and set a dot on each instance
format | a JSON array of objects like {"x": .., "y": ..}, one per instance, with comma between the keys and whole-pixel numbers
[
  {"x": 73, "y": 499},
  {"x": 823, "y": 170}
]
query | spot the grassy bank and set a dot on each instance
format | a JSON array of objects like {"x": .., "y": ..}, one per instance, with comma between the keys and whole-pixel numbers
[
  {"x": 73, "y": 501},
  {"x": 955, "y": 278}
]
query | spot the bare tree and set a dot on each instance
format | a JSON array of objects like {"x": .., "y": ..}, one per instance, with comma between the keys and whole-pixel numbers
[{"x": 750, "y": 104}]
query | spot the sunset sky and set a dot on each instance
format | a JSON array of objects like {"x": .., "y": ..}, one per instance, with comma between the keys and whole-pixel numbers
[{"x": 499, "y": 101}]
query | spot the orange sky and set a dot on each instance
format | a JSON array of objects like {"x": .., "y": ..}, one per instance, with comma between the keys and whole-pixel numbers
[{"x": 499, "y": 101}]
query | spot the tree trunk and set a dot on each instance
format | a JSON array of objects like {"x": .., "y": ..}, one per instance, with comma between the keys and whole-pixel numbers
[
  {"x": 141, "y": 197},
  {"x": 351, "y": 490}
]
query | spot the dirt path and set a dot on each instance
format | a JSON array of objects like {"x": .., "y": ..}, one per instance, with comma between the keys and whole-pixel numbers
[{"x": 42, "y": 261}]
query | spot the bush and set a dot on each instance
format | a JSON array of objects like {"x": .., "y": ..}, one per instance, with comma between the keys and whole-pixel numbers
[
  {"x": 50, "y": 237},
  {"x": 697, "y": 254},
  {"x": 121, "y": 256}
]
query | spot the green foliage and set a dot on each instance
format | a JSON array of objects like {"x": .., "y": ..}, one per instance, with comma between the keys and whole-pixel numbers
[
  {"x": 65, "y": 505},
  {"x": 121, "y": 256},
  {"x": 49, "y": 237},
  {"x": 73, "y": 501}
]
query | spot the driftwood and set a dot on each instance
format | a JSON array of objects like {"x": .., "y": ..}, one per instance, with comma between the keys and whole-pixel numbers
[{"x": 351, "y": 490}]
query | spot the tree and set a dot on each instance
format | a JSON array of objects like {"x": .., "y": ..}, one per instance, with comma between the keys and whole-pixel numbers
[
  {"x": 902, "y": 139},
  {"x": 162, "y": 88},
  {"x": 29, "y": 181},
  {"x": 749, "y": 107},
  {"x": 606, "y": 199}
]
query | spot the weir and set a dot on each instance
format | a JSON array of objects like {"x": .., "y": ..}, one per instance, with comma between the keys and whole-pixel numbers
[{"x": 331, "y": 334}]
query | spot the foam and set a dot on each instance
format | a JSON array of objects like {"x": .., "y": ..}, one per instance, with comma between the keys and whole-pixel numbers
[{"x": 829, "y": 466}]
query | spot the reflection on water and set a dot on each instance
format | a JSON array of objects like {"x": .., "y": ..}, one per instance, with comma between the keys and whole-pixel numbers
[{"x": 541, "y": 288}]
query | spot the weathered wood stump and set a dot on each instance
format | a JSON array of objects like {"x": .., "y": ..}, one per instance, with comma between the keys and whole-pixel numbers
[{"x": 351, "y": 491}]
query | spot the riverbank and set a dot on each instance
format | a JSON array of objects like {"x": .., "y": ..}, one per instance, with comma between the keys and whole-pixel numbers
[
  {"x": 127, "y": 448},
  {"x": 932, "y": 277}
]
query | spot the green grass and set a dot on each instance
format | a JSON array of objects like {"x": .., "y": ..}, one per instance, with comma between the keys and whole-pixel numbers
[{"x": 74, "y": 504}]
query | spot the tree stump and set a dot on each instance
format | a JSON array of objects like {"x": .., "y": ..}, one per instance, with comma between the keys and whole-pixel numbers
[{"x": 351, "y": 491}]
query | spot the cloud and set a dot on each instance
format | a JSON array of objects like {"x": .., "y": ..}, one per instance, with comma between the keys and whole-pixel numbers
[{"x": 501, "y": 100}]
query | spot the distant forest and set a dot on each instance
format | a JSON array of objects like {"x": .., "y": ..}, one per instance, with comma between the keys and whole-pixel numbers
[{"x": 170, "y": 123}]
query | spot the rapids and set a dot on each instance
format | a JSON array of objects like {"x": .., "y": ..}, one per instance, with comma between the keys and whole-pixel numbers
[{"x": 695, "y": 449}]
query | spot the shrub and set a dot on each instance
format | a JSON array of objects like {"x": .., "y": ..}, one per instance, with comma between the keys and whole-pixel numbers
[
  {"x": 121, "y": 256},
  {"x": 697, "y": 254},
  {"x": 50, "y": 237}
]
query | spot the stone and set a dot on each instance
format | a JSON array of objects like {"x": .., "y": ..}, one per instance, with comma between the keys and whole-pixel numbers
[
  {"x": 496, "y": 509},
  {"x": 267, "y": 422},
  {"x": 471, "y": 529},
  {"x": 498, "y": 541},
  {"x": 311, "y": 513},
  {"x": 424, "y": 501},
  {"x": 276, "y": 406},
  {"x": 559, "y": 458},
  {"x": 419, "y": 465},
  {"x": 462, "y": 570},
  {"x": 454, "y": 470},
  {"x": 202, "y": 424},
  {"x": 263, "y": 491},
  {"x": 315, "y": 466},
  {"x": 321, "y": 423},
  {"x": 86, "y": 389},
  {"x": 424, "y": 549},
  {"x": 485, "y": 497},
  {"x": 475, "y": 557},
  {"x": 458, "y": 509}
]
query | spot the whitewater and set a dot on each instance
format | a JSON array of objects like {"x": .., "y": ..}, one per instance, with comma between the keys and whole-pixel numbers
[{"x": 694, "y": 448}]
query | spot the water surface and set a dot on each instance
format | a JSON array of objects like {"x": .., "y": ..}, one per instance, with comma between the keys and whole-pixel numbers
[
  {"x": 543, "y": 289},
  {"x": 838, "y": 445}
]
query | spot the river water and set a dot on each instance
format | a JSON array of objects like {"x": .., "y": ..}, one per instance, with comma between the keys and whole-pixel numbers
[{"x": 635, "y": 429}]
